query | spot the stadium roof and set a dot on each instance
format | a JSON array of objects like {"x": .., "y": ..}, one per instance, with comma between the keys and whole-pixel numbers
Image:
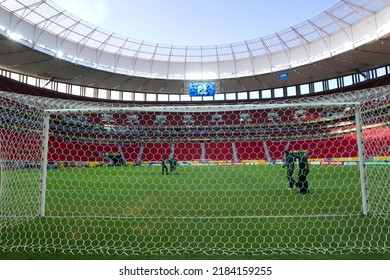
[{"x": 41, "y": 39}]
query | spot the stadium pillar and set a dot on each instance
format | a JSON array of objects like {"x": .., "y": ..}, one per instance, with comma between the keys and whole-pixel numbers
[
  {"x": 234, "y": 148},
  {"x": 45, "y": 145},
  {"x": 266, "y": 150},
  {"x": 140, "y": 153},
  {"x": 203, "y": 152},
  {"x": 361, "y": 156},
  {"x": 172, "y": 151}
]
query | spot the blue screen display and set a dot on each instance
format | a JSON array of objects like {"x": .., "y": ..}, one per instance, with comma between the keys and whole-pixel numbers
[
  {"x": 202, "y": 89},
  {"x": 283, "y": 76}
]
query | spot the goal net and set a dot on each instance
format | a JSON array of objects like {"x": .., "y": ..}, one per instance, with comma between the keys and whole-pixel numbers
[{"x": 305, "y": 176}]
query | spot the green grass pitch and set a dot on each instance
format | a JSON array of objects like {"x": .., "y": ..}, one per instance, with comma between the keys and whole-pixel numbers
[{"x": 205, "y": 211}]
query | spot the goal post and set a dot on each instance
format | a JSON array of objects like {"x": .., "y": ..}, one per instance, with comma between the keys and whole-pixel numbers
[
  {"x": 45, "y": 151},
  {"x": 362, "y": 171},
  {"x": 305, "y": 176}
]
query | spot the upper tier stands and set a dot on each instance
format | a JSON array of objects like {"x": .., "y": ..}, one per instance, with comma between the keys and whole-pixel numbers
[{"x": 224, "y": 136}]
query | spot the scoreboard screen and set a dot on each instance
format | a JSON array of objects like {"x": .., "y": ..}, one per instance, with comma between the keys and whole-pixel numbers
[{"x": 202, "y": 89}]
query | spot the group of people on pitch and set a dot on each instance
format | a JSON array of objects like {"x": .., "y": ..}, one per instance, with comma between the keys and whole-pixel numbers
[
  {"x": 303, "y": 170},
  {"x": 172, "y": 166}
]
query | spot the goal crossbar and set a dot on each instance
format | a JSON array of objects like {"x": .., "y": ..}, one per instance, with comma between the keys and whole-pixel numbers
[{"x": 195, "y": 109}]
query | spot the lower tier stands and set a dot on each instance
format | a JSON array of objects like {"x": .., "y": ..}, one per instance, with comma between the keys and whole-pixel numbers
[
  {"x": 24, "y": 146},
  {"x": 342, "y": 146}
]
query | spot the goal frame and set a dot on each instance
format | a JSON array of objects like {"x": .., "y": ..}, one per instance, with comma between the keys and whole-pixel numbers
[{"x": 355, "y": 105}]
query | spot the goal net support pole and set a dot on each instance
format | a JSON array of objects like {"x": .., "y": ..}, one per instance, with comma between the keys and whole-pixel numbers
[
  {"x": 44, "y": 165},
  {"x": 361, "y": 157}
]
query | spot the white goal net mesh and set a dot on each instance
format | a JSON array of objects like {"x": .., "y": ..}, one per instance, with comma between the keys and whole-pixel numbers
[{"x": 292, "y": 177}]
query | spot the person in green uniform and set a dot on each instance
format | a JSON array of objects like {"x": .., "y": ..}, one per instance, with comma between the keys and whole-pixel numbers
[
  {"x": 173, "y": 165},
  {"x": 164, "y": 167},
  {"x": 289, "y": 159},
  {"x": 303, "y": 171}
]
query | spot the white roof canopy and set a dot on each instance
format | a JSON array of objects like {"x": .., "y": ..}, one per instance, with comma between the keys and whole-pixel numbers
[
  {"x": 47, "y": 24},
  {"x": 46, "y": 27}
]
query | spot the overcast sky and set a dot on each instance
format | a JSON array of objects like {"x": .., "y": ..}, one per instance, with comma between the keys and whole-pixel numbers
[{"x": 195, "y": 22}]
